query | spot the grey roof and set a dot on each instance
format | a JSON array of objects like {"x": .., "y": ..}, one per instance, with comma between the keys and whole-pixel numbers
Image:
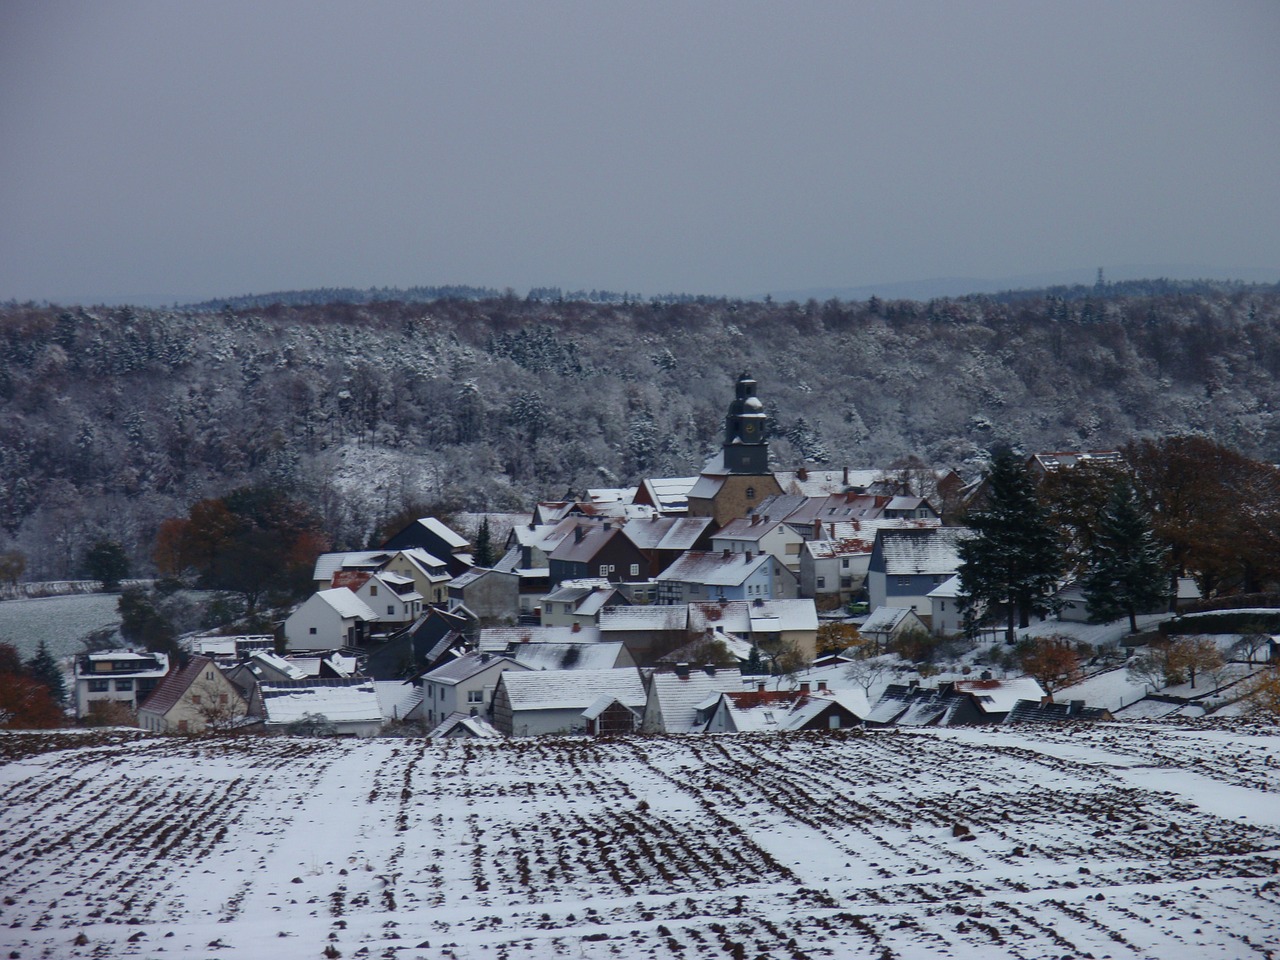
[
  {"x": 676, "y": 698},
  {"x": 884, "y": 620},
  {"x": 351, "y": 699},
  {"x": 572, "y": 689},
  {"x": 751, "y": 528},
  {"x": 657, "y": 617},
  {"x": 715, "y": 569},
  {"x": 931, "y": 550},
  {"x": 748, "y": 616},
  {"x": 347, "y": 604},
  {"x": 476, "y": 726},
  {"x": 497, "y": 639},
  {"x": 327, "y": 564},
  {"x": 464, "y": 668},
  {"x": 666, "y": 533},
  {"x": 569, "y": 656}
]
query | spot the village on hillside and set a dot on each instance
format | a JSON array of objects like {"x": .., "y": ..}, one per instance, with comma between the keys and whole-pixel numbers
[{"x": 743, "y": 599}]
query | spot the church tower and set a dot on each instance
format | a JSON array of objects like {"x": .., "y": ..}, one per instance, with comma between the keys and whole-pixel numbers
[
  {"x": 746, "y": 444},
  {"x": 733, "y": 483}
]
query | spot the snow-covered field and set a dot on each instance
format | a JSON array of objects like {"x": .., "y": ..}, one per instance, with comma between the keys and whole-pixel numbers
[
  {"x": 1122, "y": 841},
  {"x": 59, "y": 621}
]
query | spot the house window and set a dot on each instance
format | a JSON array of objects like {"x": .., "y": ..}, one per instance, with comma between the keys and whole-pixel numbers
[
  {"x": 751, "y": 493},
  {"x": 124, "y": 686},
  {"x": 195, "y": 698},
  {"x": 846, "y": 583},
  {"x": 373, "y": 591},
  {"x": 904, "y": 581},
  {"x": 222, "y": 699},
  {"x": 475, "y": 696},
  {"x": 844, "y": 564},
  {"x": 182, "y": 726},
  {"x": 99, "y": 686},
  {"x": 390, "y": 610},
  {"x": 822, "y": 582},
  {"x": 312, "y": 631},
  {"x": 942, "y": 605},
  {"x": 604, "y": 569},
  {"x": 635, "y": 570}
]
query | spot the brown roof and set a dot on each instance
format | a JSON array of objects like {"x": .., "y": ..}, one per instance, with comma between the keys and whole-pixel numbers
[{"x": 175, "y": 683}]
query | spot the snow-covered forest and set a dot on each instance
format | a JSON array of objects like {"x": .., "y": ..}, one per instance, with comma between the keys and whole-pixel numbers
[{"x": 112, "y": 419}]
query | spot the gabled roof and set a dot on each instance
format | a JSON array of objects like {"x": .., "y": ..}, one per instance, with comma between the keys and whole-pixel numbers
[
  {"x": 676, "y": 697},
  {"x": 667, "y": 533},
  {"x": 584, "y": 549},
  {"x": 346, "y": 604},
  {"x": 639, "y": 618},
  {"x": 948, "y": 589},
  {"x": 714, "y": 569},
  {"x": 754, "y": 616},
  {"x": 834, "y": 549},
  {"x": 1000, "y": 696},
  {"x": 569, "y": 656},
  {"x": 454, "y": 540},
  {"x": 170, "y": 690},
  {"x": 498, "y": 639},
  {"x": 669, "y": 494},
  {"x": 751, "y": 529},
  {"x": 464, "y": 668},
  {"x": 572, "y": 689},
  {"x": 475, "y": 726},
  {"x": 327, "y": 564},
  {"x": 345, "y": 700},
  {"x": 930, "y": 550},
  {"x": 396, "y": 698},
  {"x": 603, "y": 703},
  {"x": 1066, "y": 459},
  {"x": 884, "y": 620}
]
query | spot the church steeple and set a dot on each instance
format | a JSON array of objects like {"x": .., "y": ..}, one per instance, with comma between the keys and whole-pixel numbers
[{"x": 746, "y": 445}]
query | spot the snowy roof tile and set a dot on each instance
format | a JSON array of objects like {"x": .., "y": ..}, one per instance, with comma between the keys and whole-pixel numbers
[
  {"x": 714, "y": 569},
  {"x": 572, "y": 689},
  {"x": 678, "y": 697},
  {"x": 345, "y": 700},
  {"x": 932, "y": 550},
  {"x": 347, "y": 604}
]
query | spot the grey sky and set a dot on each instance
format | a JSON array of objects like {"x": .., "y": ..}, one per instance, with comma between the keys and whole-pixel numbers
[{"x": 180, "y": 150}]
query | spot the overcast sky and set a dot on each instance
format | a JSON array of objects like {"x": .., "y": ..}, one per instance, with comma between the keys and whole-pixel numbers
[{"x": 171, "y": 150}]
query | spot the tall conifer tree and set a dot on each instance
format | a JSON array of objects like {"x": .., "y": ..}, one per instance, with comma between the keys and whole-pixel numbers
[
  {"x": 1128, "y": 569},
  {"x": 1012, "y": 559}
]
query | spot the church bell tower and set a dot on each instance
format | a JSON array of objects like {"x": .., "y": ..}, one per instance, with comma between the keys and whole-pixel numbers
[{"x": 746, "y": 444}]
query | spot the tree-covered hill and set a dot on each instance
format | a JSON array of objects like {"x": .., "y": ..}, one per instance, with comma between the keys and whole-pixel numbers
[{"x": 113, "y": 419}]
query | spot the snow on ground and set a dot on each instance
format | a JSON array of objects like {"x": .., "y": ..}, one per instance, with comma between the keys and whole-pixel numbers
[{"x": 1113, "y": 840}]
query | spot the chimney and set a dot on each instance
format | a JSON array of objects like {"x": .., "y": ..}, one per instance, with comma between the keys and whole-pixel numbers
[
  {"x": 748, "y": 556},
  {"x": 578, "y": 534},
  {"x": 817, "y": 529},
  {"x": 709, "y": 669},
  {"x": 682, "y": 670},
  {"x": 985, "y": 675},
  {"x": 608, "y": 525},
  {"x": 804, "y": 686},
  {"x": 726, "y": 553},
  {"x": 822, "y": 685},
  {"x": 846, "y": 476},
  {"x": 759, "y": 686},
  {"x": 576, "y": 628}
]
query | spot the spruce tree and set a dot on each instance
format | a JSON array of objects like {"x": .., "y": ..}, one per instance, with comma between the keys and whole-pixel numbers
[
  {"x": 44, "y": 668},
  {"x": 1128, "y": 569},
  {"x": 483, "y": 553},
  {"x": 1012, "y": 559}
]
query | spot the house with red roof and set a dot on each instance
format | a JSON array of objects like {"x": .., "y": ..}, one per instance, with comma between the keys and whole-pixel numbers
[{"x": 195, "y": 699}]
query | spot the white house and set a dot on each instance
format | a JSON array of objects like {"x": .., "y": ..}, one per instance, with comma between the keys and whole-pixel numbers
[
  {"x": 697, "y": 576},
  {"x": 192, "y": 700},
  {"x": 464, "y": 686},
  {"x": 329, "y": 620},
  {"x": 834, "y": 567},
  {"x": 392, "y": 596},
  {"x": 541, "y": 702},
  {"x": 119, "y": 676},
  {"x": 946, "y": 617},
  {"x": 757, "y": 534}
]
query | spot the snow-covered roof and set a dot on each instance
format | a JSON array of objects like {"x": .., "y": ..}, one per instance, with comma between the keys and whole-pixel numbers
[
  {"x": 748, "y": 529},
  {"x": 347, "y": 604},
  {"x": 568, "y": 656},
  {"x": 600, "y": 495},
  {"x": 670, "y": 494},
  {"x": 327, "y": 564},
  {"x": 601, "y": 704},
  {"x": 572, "y": 689},
  {"x": 498, "y": 639},
  {"x": 999, "y": 696},
  {"x": 754, "y": 616},
  {"x": 345, "y": 700},
  {"x": 289, "y": 669},
  {"x": 639, "y": 618},
  {"x": 476, "y": 726},
  {"x": 396, "y": 698},
  {"x": 666, "y": 533},
  {"x": 454, "y": 540},
  {"x": 948, "y": 589},
  {"x": 678, "y": 697},
  {"x": 930, "y": 550},
  {"x": 707, "y": 486},
  {"x": 843, "y": 547},
  {"x": 431, "y": 566},
  {"x": 464, "y": 668},
  {"x": 713, "y": 569}
]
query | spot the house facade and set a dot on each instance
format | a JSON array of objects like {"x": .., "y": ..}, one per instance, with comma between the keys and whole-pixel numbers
[
  {"x": 906, "y": 565},
  {"x": 329, "y": 620},
  {"x": 117, "y": 676},
  {"x": 464, "y": 686},
  {"x": 195, "y": 699}
]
